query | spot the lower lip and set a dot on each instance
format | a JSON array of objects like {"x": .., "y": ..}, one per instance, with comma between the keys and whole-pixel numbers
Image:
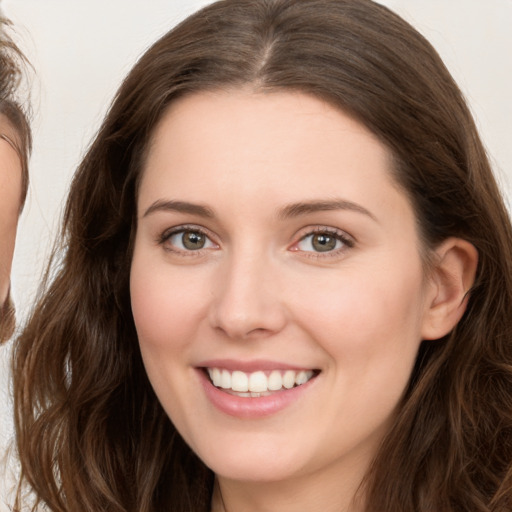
[{"x": 252, "y": 407}]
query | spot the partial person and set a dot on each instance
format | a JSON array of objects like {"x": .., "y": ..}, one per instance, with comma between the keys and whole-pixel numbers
[{"x": 15, "y": 144}]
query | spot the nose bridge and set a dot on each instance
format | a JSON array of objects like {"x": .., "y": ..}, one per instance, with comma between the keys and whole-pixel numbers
[{"x": 247, "y": 300}]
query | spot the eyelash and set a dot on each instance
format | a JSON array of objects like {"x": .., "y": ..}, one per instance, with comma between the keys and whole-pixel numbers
[{"x": 340, "y": 236}]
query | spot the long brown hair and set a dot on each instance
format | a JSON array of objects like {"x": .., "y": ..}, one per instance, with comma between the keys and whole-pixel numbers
[
  {"x": 14, "y": 119},
  {"x": 91, "y": 433}
]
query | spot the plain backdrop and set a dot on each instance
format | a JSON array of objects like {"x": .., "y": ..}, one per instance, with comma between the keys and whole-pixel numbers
[{"x": 81, "y": 50}]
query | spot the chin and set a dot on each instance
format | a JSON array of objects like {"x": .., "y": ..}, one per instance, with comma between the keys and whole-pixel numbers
[{"x": 253, "y": 462}]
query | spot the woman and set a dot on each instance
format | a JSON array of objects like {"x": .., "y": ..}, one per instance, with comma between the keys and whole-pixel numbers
[
  {"x": 15, "y": 142},
  {"x": 279, "y": 288}
]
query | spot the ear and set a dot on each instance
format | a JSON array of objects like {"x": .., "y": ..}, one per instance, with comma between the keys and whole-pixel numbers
[{"x": 450, "y": 279}]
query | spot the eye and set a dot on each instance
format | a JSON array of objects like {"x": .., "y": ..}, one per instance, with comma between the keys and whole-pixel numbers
[
  {"x": 323, "y": 241},
  {"x": 186, "y": 240}
]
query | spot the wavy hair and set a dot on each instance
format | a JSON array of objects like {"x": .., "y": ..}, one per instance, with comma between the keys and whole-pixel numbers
[{"x": 91, "y": 433}]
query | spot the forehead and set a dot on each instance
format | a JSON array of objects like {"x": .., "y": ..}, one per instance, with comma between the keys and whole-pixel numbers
[
  {"x": 241, "y": 153},
  {"x": 259, "y": 135}
]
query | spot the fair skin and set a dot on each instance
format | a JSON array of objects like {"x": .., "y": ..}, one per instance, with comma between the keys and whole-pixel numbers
[
  {"x": 271, "y": 238},
  {"x": 10, "y": 197}
]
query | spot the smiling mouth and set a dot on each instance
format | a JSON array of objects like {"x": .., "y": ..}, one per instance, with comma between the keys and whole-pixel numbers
[{"x": 259, "y": 383}]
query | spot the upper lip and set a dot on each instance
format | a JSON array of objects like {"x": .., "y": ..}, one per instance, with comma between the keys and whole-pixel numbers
[{"x": 251, "y": 366}]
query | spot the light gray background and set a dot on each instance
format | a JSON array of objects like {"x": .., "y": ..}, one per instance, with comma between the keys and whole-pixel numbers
[{"x": 81, "y": 50}]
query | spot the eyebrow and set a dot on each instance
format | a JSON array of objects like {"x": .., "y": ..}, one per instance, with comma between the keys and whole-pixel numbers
[
  {"x": 181, "y": 207},
  {"x": 304, "y": 208},
  {"x": 289, "y": 211}
]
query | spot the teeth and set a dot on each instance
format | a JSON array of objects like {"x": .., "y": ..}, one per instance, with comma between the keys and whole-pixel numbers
[
  {"x": 289, "y": 379},
  {"x": 301, "y": 378},
  {"x": 239, "y": 381},
  {"x": 258, "y": 382},
  {"x": 216, "y": 376},
  {"x": 225, "y": 379},
  {"x": 275, "y": 381},
  {"x": 225, "y": 382},
  {"x": 255, "y": 383}
]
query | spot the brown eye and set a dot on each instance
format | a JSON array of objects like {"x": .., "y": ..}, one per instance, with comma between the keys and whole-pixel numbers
[
  {"x": 193, "y": 240},
  {"x": 186, "y": 240},
  {"x": 323, "y": 242}
]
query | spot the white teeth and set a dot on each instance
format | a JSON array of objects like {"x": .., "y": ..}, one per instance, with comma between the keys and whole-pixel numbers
[
  {"x": 225, "y": 380},
  {"x": 239, "y": 381},
  {"x": 301, "y": 378},
  {"x": 256, "y": 383},
  {"x": 289, "y": 379},
  {"x": 216, "y": 376},
  {"x": 275, "y": 381}
]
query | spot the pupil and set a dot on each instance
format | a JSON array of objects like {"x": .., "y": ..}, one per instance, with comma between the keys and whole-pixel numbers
[
  {"x": 193, "y": 240},
  {"x": 324, "y": 243}
]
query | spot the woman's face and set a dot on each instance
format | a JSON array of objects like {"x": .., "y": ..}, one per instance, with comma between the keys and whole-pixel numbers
[
  {"x": 275, "y": 255},
  {"x": 10, "y": 197}
]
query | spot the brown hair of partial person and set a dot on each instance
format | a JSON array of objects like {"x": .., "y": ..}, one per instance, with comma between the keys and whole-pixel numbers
[
  {"x": 15, "y": 130},
  {"x": 7, "y": 319},
  {"x": 91, "y": 432}
]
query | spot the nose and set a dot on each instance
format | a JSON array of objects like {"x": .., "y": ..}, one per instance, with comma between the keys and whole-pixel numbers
[{"x": 248, "y": 300}]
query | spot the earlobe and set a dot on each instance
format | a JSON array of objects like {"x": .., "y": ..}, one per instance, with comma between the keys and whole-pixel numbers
[{"x": 451, "y": 278}]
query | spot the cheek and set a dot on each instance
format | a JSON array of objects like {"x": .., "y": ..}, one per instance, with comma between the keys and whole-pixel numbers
[
  {"x": 8, "y": 222},
  {"x": 10, "y": 193},
  {"x": 166, "y": 305},
  {"x": 368, "y": 320},
  {"x": 164, "y": 312},
  {"x": 370, "y": 329}
]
